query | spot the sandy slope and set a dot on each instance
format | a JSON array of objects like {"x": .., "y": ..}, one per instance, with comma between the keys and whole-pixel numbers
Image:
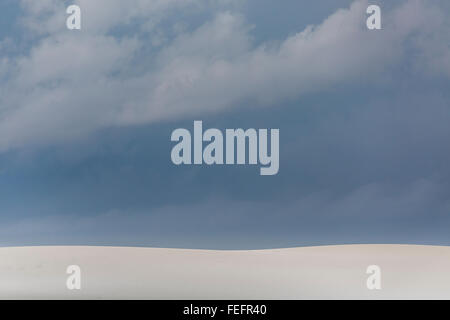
[{"x": 297, "y": 273}]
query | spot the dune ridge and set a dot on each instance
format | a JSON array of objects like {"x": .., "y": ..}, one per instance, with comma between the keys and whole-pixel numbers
[{"x": 324, "y": 272}]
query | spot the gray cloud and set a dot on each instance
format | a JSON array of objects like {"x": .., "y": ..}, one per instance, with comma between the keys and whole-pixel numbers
[
  {"x": 363, "y": 118},
  {"x": 371, "y": 213}
]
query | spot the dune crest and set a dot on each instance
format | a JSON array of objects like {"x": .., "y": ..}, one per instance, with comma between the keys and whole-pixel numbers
[{"x": 325, "y": 272}]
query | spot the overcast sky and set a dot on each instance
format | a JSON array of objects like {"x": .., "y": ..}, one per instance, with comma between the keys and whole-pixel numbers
[{"x": 86, "y": 118}]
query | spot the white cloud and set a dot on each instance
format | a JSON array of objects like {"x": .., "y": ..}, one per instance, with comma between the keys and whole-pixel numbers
[{"x": 71, "y": 84}]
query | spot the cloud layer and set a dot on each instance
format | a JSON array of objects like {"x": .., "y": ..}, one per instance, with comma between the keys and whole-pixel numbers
[
  {"x": 131, "y": 64},
  {"x": 86, "y": 118}
]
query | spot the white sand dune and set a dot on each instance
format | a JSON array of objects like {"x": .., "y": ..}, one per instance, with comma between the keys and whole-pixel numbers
[{"x": 327, "y": 272}]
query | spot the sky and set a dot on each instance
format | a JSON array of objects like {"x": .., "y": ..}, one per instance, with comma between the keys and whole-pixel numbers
[{"x": 86, "y": 118}]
